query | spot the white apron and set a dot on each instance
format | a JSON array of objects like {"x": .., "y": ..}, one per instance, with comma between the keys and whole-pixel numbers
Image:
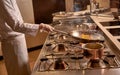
[{"x": 16, "y": 56}]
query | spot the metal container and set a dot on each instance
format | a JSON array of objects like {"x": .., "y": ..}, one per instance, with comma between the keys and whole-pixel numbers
[
  {"x": 87, "y": 36},
  {"x": 95, "y": 49}
]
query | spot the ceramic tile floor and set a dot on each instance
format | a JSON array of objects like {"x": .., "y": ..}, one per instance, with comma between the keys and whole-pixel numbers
[{"x": 32, "y": 58}]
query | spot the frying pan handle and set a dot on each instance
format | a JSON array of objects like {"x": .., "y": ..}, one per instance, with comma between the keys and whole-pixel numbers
[{"x": 60, "y": 31}]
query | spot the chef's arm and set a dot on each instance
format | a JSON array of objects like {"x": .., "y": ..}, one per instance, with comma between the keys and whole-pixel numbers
[
  {"x": 13, "y": 18},
  {"x": 32, "y": 29}
]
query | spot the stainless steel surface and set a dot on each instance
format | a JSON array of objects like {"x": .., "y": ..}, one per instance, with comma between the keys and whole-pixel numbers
[
  {"x": 71, "y": 58},
  {"x": 103, "y": 72},
  {"x": 71, "y": 52},
  {"x": 60, "y": 31}
]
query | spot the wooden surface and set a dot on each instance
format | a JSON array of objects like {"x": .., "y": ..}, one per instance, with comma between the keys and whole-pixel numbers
[
  {"x": 0, "y": 50},
  {"x": 43, "y": 9},
  {"x": 32, "y": 58},
  {"x": 115, "y": 3}
]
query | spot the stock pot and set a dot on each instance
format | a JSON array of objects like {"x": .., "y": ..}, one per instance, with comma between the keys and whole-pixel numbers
[{"x": 95, "y": 49}]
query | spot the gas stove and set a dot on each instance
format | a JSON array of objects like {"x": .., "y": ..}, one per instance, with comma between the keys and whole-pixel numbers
[{"x": 64, "y": 53}]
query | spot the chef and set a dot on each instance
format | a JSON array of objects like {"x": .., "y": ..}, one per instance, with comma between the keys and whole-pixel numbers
[{"x": 12, "y": 30}]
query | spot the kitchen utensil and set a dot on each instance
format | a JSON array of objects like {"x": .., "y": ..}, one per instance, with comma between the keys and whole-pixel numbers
[
  {"x": 95, "y": 49},
  {"x": 84, "y": 36}
]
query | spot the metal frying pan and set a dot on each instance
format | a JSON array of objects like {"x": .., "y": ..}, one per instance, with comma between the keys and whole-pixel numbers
[{"x": 86, "y": 36}]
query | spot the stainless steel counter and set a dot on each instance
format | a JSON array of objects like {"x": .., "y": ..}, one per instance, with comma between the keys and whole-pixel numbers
[
  {"x": 107, "y": 25},
  {"x": 51, "y": 52},
  {"x": 83, "y": 72}
]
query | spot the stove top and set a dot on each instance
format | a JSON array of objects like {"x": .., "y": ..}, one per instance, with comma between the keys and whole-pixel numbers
[
  {"x": 76, "y": 62},
  {"x": 65, "y": 53}
]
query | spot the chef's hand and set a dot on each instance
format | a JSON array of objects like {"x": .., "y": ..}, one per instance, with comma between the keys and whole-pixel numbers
[{"x": 45, "y": 27}]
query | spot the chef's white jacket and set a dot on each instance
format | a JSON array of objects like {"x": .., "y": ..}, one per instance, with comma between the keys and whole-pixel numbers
[
  {"x": 12, "y": 38},
  {"x": 11, "y": 22}
]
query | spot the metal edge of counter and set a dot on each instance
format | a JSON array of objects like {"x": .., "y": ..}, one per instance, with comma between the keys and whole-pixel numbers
[
  {"x": 112, "y": 41},
  {"x": 37, "y": 61}
]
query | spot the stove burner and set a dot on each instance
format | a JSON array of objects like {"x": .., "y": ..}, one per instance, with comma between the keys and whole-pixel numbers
[
  {"x": 61, "y": 47},
  {"x": 94, "y": 63},
  {"x": 43, "y": 59},
  {"x": 59, "y": 64}
]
